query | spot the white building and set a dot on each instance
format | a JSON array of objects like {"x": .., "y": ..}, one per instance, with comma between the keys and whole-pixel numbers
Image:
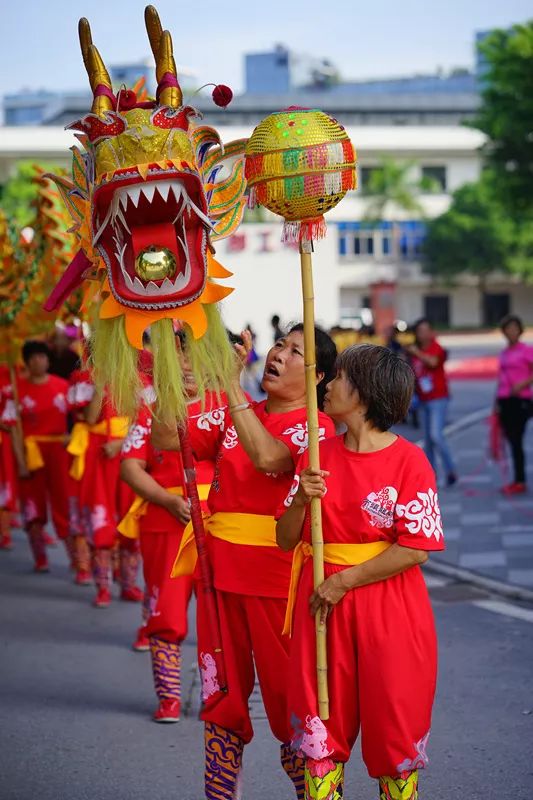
[{"x": 353, "y": 258}]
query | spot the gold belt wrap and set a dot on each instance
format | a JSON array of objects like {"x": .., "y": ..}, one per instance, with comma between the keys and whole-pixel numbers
[
  {"x": 34, "y": 457},
  {"x": 115, "y": 427},
  {"x": 249, "y": 529},
  {"x": 347, "y": 555}
]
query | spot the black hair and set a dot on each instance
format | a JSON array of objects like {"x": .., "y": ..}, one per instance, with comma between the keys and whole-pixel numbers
[
  {"x": 34, "y": 346},
  {"x": 383, "y": 380},
  {"x": 509, "y": 319},
  {"x": 326, "y": 354}
]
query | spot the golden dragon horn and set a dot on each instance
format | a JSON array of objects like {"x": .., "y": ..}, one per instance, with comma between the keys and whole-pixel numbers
[
  {"x": 96, "y": 70},
  {"x": 165, "y": 67}
]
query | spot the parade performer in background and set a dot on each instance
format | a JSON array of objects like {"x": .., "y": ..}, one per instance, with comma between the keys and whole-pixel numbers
[
  {"x": 380, "y": 516},
  {"x": 8, "y": 473},
  {"x": 79, "y": 395},
  {"x": 256, "y": 446},
  {"x": 43, "y": 412},
  {"x": 104, "y": 498},
  {"x": 159, "y": 515}
]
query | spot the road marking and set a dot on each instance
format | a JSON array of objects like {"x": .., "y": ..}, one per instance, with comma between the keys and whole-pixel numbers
[
  {"x": 507, "y": 609},
  {"x": 433, "y": 582}
]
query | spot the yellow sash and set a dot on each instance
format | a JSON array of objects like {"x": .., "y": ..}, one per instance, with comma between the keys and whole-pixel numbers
[
  {"x": 251, "y": 529},
  {"x": 34, "y": 457},
  {"x": 347, "y": 555},
  {"x": 129, "y": 524},
  {"x": 115, "y": 427}
]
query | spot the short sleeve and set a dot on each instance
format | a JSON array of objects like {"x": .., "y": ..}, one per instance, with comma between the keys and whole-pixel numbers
[
  {"x": 81, "y": 389},
  {"x": 296, "y": 436},
  {"x": 417, "y": 517},
  {"x": 9, "y": 412},
  {"x": 206, "y": 432},
  {"x": 440, "y": 352},
  {"x": 137, "y": 442}
]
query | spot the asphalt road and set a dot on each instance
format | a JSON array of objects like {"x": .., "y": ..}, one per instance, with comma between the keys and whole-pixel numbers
[{"x": 75, "y": 701}]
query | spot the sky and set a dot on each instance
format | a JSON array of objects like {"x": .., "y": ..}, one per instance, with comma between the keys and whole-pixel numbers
[{"x": 378, "y": 38}]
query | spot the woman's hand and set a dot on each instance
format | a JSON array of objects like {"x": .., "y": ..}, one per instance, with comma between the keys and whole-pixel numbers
[
  {"x": 312, "y": 484},
  {"x": 178, "y": 507},
  {"x": 327, "y": 595},
  {"x": 112, "y": 448},
  {"x": 242, "y": 352}
]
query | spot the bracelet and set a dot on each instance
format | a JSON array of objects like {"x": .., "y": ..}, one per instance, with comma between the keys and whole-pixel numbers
[{"x": 240, "y": 407}]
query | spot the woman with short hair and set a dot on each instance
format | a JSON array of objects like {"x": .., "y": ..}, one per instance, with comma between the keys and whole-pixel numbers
[
  {"x": 255, "y": 447},
  {"x": 514, "y": 397},
  {"x": 380, "y": 517}
]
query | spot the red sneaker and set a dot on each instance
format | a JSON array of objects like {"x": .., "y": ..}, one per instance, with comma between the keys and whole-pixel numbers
[
  {"x": 168, "y": 711},
  {"x": 41, "y": 565},
  {"x": 49, "y": 540},
  {"x": 83, "y": 578},
  {"x": 514, "y": 488},
  {"x": 102, "y": 599},
  {"x": 142, "y": 642},
  {"x": 132, "y": 595},
  {"x": 5, "y": 542}
]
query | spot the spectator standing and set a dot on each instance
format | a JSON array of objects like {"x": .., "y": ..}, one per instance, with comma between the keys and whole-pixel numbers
[
  {"x": 276, "y": 328},
  {"x": 427, "y": 360},
  {"x": 514, "y": 397}
]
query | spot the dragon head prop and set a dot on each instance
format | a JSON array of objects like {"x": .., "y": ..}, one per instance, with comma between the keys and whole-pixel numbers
[{"x": 150, "y": 193}]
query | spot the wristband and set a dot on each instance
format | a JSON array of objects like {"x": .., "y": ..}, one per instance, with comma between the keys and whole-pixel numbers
[{"x": 240, "y": 407}]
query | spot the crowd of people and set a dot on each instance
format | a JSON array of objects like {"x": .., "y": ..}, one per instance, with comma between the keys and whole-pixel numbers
[{"x": 117, "y": 494}]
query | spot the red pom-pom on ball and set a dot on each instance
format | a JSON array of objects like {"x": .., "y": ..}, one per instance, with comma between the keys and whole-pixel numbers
[
  {"x": 127, "y": 99},
  {"x": 222, "y": 95}
]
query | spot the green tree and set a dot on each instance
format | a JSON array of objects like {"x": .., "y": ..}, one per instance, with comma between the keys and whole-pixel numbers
[
  {"x": 474, "y": 236},
  {"x": 20, "y": 191},
  {"x": 391, "y": 184},
  {"x": 506, "y": 114}
]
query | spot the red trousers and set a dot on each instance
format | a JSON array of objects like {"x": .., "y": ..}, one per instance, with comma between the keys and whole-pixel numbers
[
  {"x": 251, "y": 635},
  {"x": 382, "y": 669},
  {"x": 101, "y": 494},
  {"x": 167, "y": 598},
  {"x": 48, "y": 485},
  {"x": 8, "y": 474}
]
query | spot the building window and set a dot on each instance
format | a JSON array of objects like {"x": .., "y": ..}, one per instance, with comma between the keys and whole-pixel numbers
[
  {"x": 437, "y": 309},
  {"x": 435, "y": 178},
  {"x": 385, "y": 245},
  {"x": 357, "y": 245},
  {"x": 366, "y": 174},
  {"x": 370, "y": 245},
  {"x": 495, "y": 306}
]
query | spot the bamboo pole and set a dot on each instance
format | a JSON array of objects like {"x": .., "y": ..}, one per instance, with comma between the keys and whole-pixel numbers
[
  {"x": 206, "y": 573},
  {"x": 306, "y": 264}
]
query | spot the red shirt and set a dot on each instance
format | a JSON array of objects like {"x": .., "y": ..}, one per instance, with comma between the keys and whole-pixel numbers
[
  {"x": 431, "y": 382},
  {"x": 164, "y": 466},
  {"x": 389, "y": 495},
  {"x": 80, "y": 390},
  {"x": 239, "y": 487},
  {"x": 43, "y": 406}
]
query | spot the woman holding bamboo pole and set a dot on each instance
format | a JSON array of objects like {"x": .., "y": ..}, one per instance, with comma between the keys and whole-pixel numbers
[
  {"x": 256, "y": 446},
  {"x": 380, "y": 516}
]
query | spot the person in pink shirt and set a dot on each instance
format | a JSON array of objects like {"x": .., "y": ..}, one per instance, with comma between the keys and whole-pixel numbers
[{"x": 514, "y": 397}]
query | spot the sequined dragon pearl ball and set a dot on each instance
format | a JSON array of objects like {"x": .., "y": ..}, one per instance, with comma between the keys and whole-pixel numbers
[
  {"x": 155, "y": 264},
  {"x": 299, "y": 164}
]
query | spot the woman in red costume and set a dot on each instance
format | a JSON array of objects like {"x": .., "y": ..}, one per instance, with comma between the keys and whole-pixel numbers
[
  {"x": 380, "y": 517},
  {"x": 43, "y": 412},
  {"x": 8, "y": 473},
  {"x": 104, "y": 499},
  {"x": 256, "y": 446},
  {"x": 159, "y": 515}
]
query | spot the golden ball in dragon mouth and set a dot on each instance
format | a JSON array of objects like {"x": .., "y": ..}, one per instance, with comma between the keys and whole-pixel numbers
[{"x": 155, "y": 264}]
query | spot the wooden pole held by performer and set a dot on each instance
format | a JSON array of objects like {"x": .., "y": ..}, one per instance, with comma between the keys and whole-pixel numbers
[
  {"x": 306, "y": 264},
  {"x": 206, "y": 573}
]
